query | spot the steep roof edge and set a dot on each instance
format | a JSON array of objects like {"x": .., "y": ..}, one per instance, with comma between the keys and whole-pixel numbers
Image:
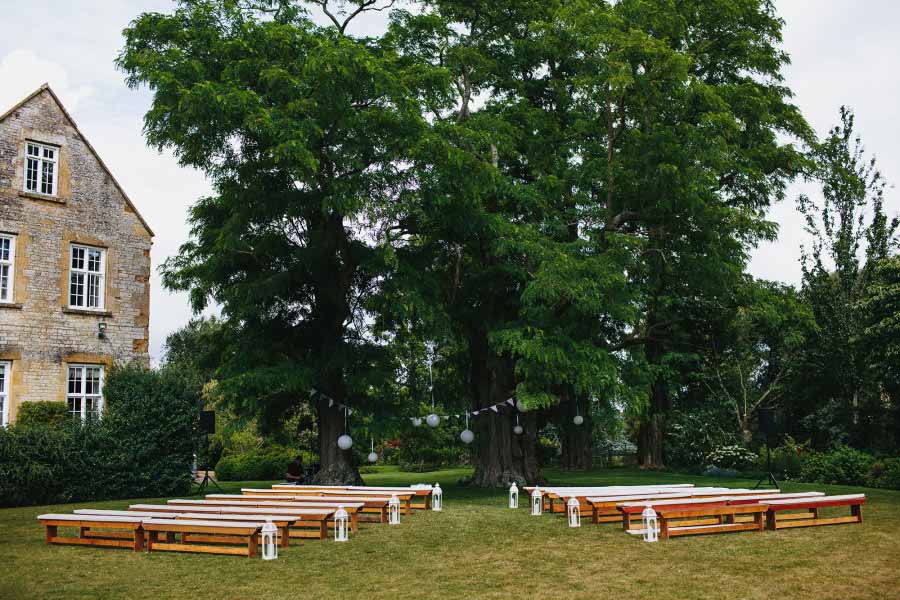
[{"x": 46, "y": 87}]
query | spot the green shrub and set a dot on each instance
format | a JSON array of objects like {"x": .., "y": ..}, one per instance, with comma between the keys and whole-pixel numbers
[
  {"x": 692, "y": 437},
  {"x": 885, "y": 473},
  {"x": 42, "y": 413},
  {"x": 270, "y": 462},
  {"x": 842, "y": 465},
  {"x": 787, "y": 459},
  {"x": 141, "y": 447},
  {"x": 425, "y": 449}
]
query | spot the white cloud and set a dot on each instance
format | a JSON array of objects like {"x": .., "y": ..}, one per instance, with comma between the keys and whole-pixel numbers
[{"x": 22, "y": 72}]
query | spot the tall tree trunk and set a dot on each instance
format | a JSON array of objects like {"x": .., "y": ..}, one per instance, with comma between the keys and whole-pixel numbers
[
  {"x": 334, "y": 282},
  {"x": 577, "y": 440},
  {"x": 651, "y": 432},
  {"x": 502, "y": 457}
]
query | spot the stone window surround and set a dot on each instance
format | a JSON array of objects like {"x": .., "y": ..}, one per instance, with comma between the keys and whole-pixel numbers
[
  {"x": 42, "y": 148},
  {"x": 45, "y": 138},
  {"x": 109, "y": 265},
  {"x": 86, "y": 272},
  {"x": 5, "y": 384}
]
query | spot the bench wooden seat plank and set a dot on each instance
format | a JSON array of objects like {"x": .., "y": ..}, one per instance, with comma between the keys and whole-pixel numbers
[
  {"x": 303, "y": 508},
  {"x": 679, "y": 521},
  {"x": 243, "y": 532},
  {"x": 774, "y": 520},
  {"x": 424, "y": 492},
  {"x": 132, "y": 537}
]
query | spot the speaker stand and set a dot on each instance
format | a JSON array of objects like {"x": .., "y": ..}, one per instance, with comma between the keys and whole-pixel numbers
[
  {"x": 769, "y": 478},
  {"x": 204, "y": 483}
]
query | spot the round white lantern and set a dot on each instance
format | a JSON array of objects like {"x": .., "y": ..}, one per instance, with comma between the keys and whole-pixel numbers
[
  {"x": 574, "y": 512},
  {"x": 269, "y": 541},
  {"x": 514, "y": 495},
  {"x": 518, "y": 430},
  {"x": 649, "y": 524},
  {"x": 416, "y": 422},
  {"x": 578, "y": 420},
  {"x": 437, "y": 497},
  {"x": 433, "y": 420},
  {"x": 373, "y": 457},
  {"x": 537, "y": 502},
  {"x": 467, "y": 436},
  {"x": 394, "y": 510},
  {"x": 341, "y": 520},
  {"x": 345, "y": 442}
]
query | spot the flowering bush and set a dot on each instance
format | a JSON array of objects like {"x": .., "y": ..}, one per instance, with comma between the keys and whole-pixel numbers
[{"x": 731, "y": 457}]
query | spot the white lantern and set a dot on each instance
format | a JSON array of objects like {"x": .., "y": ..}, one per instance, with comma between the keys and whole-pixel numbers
[
  {"x": 574, "y": 511},
  {"x": 416, "y": 422},
  {"x": 514, "y": 496},
  {"x": 437, "y": 497},
  {"x": 373, "y": 457},
  {"x": 518, "y": 430},
  {"x": 340, "y": 524},
  {"x": 578, "y": 420},
  {"x": 345, "y": 442},
  {"x": 269, "y": 541},
  {"x": 394, "y": 511},
  {"x": 648, "y": 521},
  {"x": 537, "y": 502},
  {"x": 433, "y": 420},
  {"x": 467, "y": 436}
]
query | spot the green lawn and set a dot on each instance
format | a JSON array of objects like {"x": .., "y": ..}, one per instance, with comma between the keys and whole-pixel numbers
[{"x": 478, "y": 548}]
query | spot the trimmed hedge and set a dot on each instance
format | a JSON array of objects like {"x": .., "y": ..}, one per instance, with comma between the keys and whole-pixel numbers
[
  {"x": 43, "y": 413},
  {"x": 142, "y": 447},
  {"x": 264, "y": 463}
]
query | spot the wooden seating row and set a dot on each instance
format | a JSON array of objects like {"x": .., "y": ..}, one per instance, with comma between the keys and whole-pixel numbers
[{"x": 422, "y": 492}]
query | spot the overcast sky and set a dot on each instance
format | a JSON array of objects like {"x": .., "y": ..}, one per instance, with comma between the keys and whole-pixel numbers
[{"x": 843, "y": 52}]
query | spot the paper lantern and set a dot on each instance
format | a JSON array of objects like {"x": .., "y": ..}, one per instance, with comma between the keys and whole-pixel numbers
[
  {"x": 574, "y": 512},
  {"x": 467, "y": 436},
  {"x": 537, "y": 502},
  {"x": 437, "y": 498},
  {"x": 578, "y": 420},
  {"x": 269, "y": 541},
  {"x": 651, "y": 527},
  {"x": 340, "y": 524},
  {"x": 514, "y": 495},
  {"x": 345, "y": 442},
  {"x": 416, "y": 422},
  {"x": 394, "y": 511},
  {"x": 373, "y": 457},
  {"x": 518, "y": 430},
  {"x": 433, "y": 420}
]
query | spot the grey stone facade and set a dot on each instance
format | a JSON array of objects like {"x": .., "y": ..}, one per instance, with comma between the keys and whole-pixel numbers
[{"x": 40, "y": 332}]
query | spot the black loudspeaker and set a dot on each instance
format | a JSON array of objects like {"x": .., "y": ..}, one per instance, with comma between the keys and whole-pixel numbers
[
  {"x": 207, "y": 422},
  {"x": 767, "y": 423}
]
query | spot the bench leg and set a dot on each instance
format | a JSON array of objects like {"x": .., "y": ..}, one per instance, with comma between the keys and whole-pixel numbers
[
  {"x": 252, "y": 547},
  {"x": 51, "y": 533},
  {"x": 323, "y": 530},
  {"x": 138, "y": 540},
  {"x": 663, "y": 528},
  {"x": 758, "y": 520},
  {"x": 856, "y": 511},
  {"x": 83, "y": 532},
  {"x": 152, "y": 539},
  {"x": 815, "y": 512},
  {"x": 626, "y": 521},
  {"x": 354, "y": 522},
  {"x": 771, "y": 524},
  {"x": 285, "y": 536}
]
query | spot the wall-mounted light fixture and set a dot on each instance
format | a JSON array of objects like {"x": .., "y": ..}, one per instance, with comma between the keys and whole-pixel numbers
[{"x": 101, "y": 330}]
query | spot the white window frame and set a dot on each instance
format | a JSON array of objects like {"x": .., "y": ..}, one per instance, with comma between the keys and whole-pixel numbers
[
  {"x": 6, "y": 372},
  {"x": 9, "y": 264},
  {"x": 42, "y": 163},
  {"x": 81, "y": 394},
  {"x": 86, "y": 275}
]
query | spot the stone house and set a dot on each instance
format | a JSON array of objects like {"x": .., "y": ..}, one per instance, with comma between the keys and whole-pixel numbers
[{"x": 74, "y": 263}]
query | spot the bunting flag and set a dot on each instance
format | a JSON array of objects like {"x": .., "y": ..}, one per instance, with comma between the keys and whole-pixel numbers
[{"x": 313, "y": 392}]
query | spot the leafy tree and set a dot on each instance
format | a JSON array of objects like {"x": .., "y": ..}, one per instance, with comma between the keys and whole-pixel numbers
[
  {"x": 305, "y": 132},
  {"x": 851, "y": 235}
]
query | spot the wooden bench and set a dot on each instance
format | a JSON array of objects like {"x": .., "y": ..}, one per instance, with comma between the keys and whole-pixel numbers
[
  {"x": 675, "y": 521},
  {"x": 370, "y": 504},
  {"x": 245, "y": 533},
  {"x": 812, "y": 505},
  {"x": 282, "y": 522},
  {"x": 602, "y": 508},
  {"x": 307, "y": 510},
  {"x": 424, "y": 492},
  {"x": 128, "y": 531}
]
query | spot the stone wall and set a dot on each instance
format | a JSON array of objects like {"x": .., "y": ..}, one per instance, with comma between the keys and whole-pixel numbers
[{"x": 38, "y": 333}]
